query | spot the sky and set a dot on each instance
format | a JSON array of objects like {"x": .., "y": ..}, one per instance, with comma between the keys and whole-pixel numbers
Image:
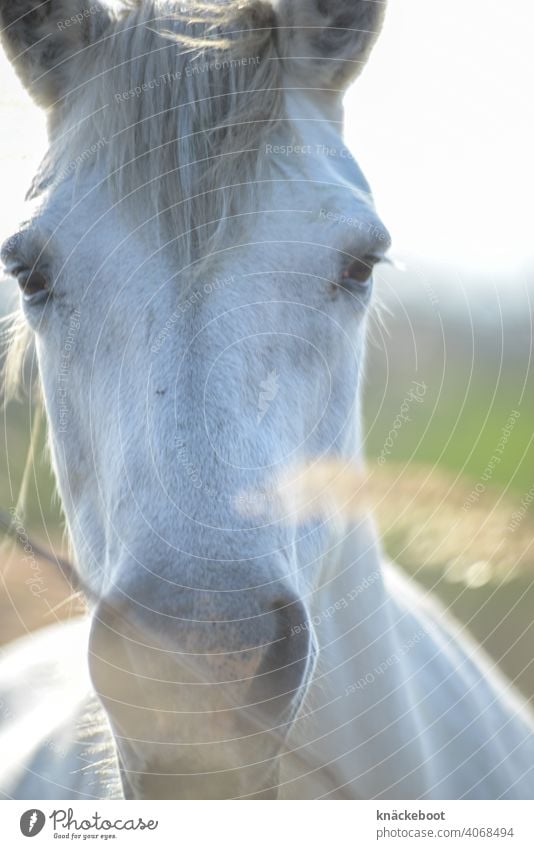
[{"x": 442, "y": 122}]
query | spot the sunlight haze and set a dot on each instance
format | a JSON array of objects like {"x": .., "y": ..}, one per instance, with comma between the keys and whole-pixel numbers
[{"x": 442, "y": 122}]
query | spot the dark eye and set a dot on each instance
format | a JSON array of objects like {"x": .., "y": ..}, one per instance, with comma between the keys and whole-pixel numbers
[
  {"x": 33, "y": 284},
  {"x": 360, "y": 269}
]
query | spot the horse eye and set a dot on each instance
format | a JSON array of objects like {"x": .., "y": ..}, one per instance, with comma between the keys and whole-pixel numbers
[
  {"x": 33, "y": 284},
  {"x": 361, "y": 269}
]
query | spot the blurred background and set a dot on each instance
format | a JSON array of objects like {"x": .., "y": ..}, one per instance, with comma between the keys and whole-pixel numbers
[{"x": 442, "y": 123}]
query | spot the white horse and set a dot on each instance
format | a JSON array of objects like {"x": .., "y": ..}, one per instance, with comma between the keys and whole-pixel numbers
[{"x": 196, "y": 271}]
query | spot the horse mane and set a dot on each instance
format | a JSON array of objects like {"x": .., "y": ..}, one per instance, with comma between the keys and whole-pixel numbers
[{"x": 175, "y": 108}]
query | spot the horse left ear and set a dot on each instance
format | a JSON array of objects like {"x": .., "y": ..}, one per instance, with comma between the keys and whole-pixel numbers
[
  {"x": 44, "y": 39},
  {"x": 326, "y": 43}
]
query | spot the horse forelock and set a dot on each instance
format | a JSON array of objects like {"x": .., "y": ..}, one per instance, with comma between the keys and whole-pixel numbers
[
  {"x": 171, "y": 110},
  {"x": 175, "y": 108}
]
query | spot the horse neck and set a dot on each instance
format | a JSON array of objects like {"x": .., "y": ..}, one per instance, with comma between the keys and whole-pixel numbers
[
  {"x": 352, "y": 596},
  {"x": 362, "y": 669}
]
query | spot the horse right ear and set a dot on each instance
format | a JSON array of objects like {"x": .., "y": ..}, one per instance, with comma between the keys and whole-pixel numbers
[
  {"x": 45, "y": 40},
  {"x": 326, "y": 43}
]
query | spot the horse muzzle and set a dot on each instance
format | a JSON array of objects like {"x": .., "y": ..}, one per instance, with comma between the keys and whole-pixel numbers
[{"x": 207, "y": 714}]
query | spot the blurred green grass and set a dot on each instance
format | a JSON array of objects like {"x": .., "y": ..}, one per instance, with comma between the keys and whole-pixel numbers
[
  {"x": 476, "y": 377},
  {"x": 42, "y": 512},
  {"x": 476, "y": 366}
]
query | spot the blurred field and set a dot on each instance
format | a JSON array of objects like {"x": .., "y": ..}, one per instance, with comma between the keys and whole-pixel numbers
[
  {"x": 443, "y": 516},
  {"x": 456, "y": 511},
  {"x": 33, "y": 595}
]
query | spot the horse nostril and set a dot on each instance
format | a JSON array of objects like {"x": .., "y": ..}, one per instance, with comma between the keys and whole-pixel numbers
[
  {"x": 287, "y": 664},
  {"x": 291, "y": 619},
  {"x": 252, "y": 676}
]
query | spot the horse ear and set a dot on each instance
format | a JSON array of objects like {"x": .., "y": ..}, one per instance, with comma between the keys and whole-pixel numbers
[
  {"x": 327, "y": 42},
  {"x": 44, "y": 40}
]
